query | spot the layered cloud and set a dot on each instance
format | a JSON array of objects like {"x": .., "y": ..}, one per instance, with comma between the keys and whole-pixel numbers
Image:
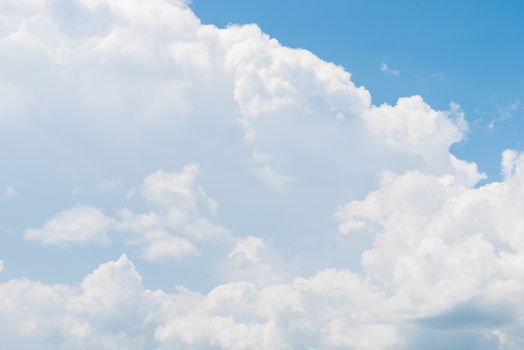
[{"x": 122, "y": 89}]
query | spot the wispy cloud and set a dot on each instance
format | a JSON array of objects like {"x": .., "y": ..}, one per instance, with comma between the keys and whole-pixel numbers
[
  {"x": 504, "y": 112},
  {"x": 386, "y": 69}
]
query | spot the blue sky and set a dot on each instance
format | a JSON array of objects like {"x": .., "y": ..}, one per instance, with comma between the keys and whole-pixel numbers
[{"x": 252, "y": 175}]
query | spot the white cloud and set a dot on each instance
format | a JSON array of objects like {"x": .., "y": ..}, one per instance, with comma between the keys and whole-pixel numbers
[
  {"x": 384, "y": 68},
  {"x": 178, "y": 191},
  {"x": 348, "y": 336},
  {"x": 182, "y": 204},
  {"x": 252, "y": 259},
  {"x": 239, "y": 102},
  {"x": 433, "y": 255},
  {"x": 181, "y": 215},
  {"x": 168, "y": 248},
  {"x": 109, "y": 290},
  {"x": 80, "y": 224},
  {"x": 508, "y": 163},
  {"x": 248, "y": 250},
  {"x": 2, "y": 265},
  {"x": 112, "y": 310},
  {"x": 461, "y": 252},
  {"x": 164, "y": 234},
  {"x": 413, "y": 126},
  {"x": 292, "y": 106},
  {"x": 107, "y": 311}
]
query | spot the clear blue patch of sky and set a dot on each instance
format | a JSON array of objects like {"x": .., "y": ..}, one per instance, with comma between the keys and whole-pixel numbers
[{"x": 470, "y": 52}]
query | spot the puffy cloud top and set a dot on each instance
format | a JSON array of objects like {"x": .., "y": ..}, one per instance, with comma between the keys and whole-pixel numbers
[{"x": 120, "y": 89}]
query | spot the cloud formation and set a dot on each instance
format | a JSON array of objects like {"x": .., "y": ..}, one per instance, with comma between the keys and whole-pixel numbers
[
  {"x": 112, "y": 310},
  {"x": 123, "y": 89},
  {"x": 178, "y": 217},
  {"x": 80, "y": 224}
]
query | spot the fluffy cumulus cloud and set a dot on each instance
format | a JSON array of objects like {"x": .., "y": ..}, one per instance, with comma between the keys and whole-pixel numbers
[
  {"x": 452, "y": 261},
  {"x": 80, "y": 224},
  {"x": 111, "y": 309},
  {"x": 177, "y": 218},
  {"x": 424, "y": 256},
  {"x": 96, "y": 314}
]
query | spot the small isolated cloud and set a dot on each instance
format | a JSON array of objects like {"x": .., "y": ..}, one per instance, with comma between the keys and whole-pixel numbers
[
  {"x": 384, "y": 68},
  {"x": 80, "y": 224},
  {"x": 2, "y": 265}
]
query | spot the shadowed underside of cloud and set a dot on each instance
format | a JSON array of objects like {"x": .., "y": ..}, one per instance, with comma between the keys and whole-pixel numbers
[{"x": 144, "y": 85}]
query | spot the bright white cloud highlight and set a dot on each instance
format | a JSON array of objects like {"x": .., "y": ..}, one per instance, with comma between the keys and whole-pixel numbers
[{"x": 413, "y": 126}]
